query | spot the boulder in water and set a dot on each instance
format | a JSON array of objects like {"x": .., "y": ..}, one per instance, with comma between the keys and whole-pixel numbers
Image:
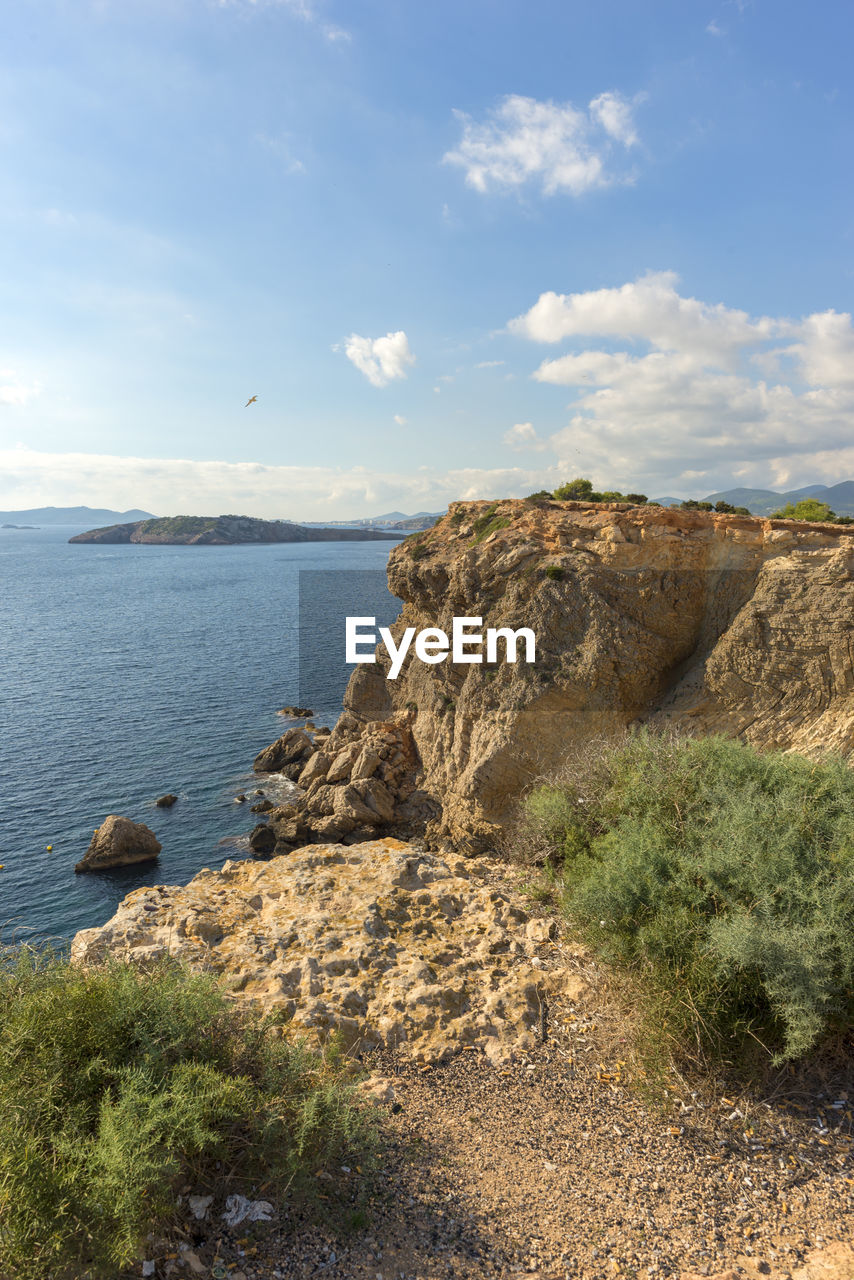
[
  {"x": 166, "y": 802},
  {"x": 119, "y": 842}
]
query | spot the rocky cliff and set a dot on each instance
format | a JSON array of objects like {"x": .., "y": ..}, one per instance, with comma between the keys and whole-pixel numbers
[{"x": 708, "y": 623}]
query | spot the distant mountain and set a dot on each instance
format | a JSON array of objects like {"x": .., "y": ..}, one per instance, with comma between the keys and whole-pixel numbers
[
  {"x": 75, "y": 515},
  {"x": 390, "y": 520},
  {"x": 762, "y": 502}
]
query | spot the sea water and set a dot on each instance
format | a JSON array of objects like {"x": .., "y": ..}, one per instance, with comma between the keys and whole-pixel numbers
[{"x": 130, "y": 671}]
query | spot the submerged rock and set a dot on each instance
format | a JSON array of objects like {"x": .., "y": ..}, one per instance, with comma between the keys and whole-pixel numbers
[
  {"x": 119, "y": 842},
  {"x": 388, "y": 945},
  {"x": 262, "y": 839}
]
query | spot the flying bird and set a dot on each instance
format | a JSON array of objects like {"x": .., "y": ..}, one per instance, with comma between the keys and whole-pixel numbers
[{"x": 251, "y": 400}]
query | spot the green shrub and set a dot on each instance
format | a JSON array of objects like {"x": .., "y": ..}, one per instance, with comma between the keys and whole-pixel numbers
[
  {"x": 116, "y": 1087},
  {"x": 721, "y": 877},
  {"x": 581, "y": 490},
  {"x": 554, "y": 571},
  {"x": 577, "y": 490},
  {"x": 808, "y": 509}
]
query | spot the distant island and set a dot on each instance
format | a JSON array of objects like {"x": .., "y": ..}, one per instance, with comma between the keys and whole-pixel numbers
[
  {"x": 73, "y": 515},
  {"x": 224, "y": 531},
  {"x": 18, "y": 526}
]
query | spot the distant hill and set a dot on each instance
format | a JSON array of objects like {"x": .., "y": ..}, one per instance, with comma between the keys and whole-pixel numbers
[
  {"x": 223, "y": 531},
  {"x": 74, "y": 515},
  {"x": 390, "y": 520},
  {"x": 762, "y": 502}
]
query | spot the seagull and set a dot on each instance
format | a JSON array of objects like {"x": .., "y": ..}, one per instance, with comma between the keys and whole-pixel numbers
[{"x": 251, "y": 400}]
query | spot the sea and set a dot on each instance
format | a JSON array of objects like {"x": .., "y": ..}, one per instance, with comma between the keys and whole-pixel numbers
[{"x": 130, "y": 671}]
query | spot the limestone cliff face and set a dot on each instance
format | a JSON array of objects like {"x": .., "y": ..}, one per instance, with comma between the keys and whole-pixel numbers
[{"x": 711, "y": 623}]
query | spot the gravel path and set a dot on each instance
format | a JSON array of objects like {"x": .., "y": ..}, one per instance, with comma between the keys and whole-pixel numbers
[{"x": 561, "y": 1166}]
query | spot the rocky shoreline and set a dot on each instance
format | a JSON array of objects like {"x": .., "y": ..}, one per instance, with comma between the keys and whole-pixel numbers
[{"x": 490, "y": 1031}]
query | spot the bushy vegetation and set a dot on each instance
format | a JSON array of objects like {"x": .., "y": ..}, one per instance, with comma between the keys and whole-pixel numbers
[
  {"x": 722, "y": 878},
  {"x": 809, "y": 509},
  {"x": 118, "y": 1087},
  {"x": 721, "y": 507},
  {"x": 581, "y": 490}
]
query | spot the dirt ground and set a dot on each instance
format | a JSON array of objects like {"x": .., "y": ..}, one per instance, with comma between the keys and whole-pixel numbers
[{"x": 566, "y": 1165}]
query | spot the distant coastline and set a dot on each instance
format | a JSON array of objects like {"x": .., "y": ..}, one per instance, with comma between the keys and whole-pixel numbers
[{"x": 224, "y": 531}]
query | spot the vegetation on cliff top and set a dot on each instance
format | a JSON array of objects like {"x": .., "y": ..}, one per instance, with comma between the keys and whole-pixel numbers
[
  {"x": 810, "y": 509},
  {"x": 117, "y": 1088},
  {"x": 721, "y": 878}
]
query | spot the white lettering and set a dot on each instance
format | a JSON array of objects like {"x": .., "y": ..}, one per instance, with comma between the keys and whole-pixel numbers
[
  {"x": 396, "y": 652},
  {"x": 431, "y": 645},
  {"x": 462, "y": 639},
  {"x": 510, "y": 638},
  {"x": 353, "y": 638}
]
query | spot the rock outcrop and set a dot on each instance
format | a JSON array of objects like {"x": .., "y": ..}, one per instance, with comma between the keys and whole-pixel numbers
[
  {"x": 119, "y": 842},
  {"x": 385, "y": 944},
  {"x": 705, "y": 622}
]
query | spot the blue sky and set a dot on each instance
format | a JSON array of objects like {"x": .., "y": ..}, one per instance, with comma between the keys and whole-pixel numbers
[{"x": 455, "y": 249}]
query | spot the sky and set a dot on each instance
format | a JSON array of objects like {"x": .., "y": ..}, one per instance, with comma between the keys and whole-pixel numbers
[{"x": 462, "y": 249}]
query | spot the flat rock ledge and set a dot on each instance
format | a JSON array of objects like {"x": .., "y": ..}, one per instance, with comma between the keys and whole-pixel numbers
[{"x": 388, "y": 945}]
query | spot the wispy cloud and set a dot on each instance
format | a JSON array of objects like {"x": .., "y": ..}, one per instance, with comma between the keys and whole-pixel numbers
[
  {"x": 381, "y": 360},
  {"x": 281, "y": 148},
  {"x": 557, "y": 145},
  {"x": 301, "y": 9},
  {"x": 172, "y": 486},
  {"x": 16, "y": 390},
  {"x": 524, "y": 436}
]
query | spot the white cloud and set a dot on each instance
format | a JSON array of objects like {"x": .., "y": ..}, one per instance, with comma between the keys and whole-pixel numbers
[
  {"x": 381, "y": 360},
  {"x": 400, "y": 420},
  {"x": 707, "y": 395},
  {"x": 489, "y": 364},
  {"x": 556, "y": 144},
  {"x": 715, "y": 30},
  {"x": 14, "y": 390},
  {"x": 177, "y": 486},
  {"x": 650, "y": 310},
  {"x": 524, "y": 436}
]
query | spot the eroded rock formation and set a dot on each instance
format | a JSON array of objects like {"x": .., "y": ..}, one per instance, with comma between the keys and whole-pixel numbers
[
  {"x": 389, "y": 946},
  {"x": 710, "y": 623}
]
